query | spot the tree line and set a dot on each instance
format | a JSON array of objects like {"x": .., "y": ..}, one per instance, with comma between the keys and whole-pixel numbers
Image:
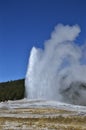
[{"x": 12, "y": 90}]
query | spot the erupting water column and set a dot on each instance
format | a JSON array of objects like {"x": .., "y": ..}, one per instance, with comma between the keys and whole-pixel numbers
[{"x": 53, "y": 71}]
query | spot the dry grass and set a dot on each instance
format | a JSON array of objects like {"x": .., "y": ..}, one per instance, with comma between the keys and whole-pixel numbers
[
  {"x": 61, "y": 119},
  {"x": 41, "y": 111}
]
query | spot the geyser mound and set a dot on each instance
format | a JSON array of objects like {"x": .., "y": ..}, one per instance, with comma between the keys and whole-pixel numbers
[{"x": 58, "y": 72}]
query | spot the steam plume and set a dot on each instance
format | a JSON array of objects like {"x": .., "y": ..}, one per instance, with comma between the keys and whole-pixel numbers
[{"x": 56, "y": 72}]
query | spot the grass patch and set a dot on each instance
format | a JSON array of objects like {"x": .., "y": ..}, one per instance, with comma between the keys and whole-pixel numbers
[{"x": 65, "y": 121}]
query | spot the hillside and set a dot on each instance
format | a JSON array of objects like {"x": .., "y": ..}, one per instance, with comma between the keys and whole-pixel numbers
[{"x": 12, "y": 90}]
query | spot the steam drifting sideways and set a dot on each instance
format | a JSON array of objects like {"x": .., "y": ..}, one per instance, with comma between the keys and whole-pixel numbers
[{"x": 58, "y": 72}]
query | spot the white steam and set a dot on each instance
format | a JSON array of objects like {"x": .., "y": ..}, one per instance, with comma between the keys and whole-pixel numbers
[{"x": 56, "y": 72}]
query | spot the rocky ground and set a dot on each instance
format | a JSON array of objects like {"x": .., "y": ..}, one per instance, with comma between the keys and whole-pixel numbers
[{"x": 41, "y": 115}]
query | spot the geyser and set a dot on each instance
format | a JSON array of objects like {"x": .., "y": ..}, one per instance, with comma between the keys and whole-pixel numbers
[{"x": 58, "y": 72}]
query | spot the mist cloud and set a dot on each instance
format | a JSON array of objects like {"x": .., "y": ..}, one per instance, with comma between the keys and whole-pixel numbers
[{"x": 54, "y": 72}]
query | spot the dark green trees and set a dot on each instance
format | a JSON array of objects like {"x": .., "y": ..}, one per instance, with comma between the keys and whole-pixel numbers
[{"x": 12, "y": 90}]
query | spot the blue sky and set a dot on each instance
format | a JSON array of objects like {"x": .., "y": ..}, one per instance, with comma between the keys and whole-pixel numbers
[{"x": 27, "y": 23}]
